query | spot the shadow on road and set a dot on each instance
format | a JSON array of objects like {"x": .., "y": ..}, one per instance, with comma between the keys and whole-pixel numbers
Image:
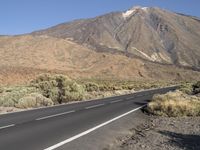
[
  {"x": 141, "y": 103},
  {"x": 183, "y": 141}
]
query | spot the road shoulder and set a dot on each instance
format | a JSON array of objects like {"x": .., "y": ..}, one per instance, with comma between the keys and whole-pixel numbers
[{"x": 162, "y": 133}]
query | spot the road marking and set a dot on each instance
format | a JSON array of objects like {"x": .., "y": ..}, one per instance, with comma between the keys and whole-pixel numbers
[
  {"x": 130, "y": 98},
  {"x": 94, "y": 106},
  {"x": 90, "y": 130},
  {"x": 116, "y": 101},
  {"x": 139, "y": 95},
  {"x": 7, "y": 126},
  {"x": 64, "y": 113}
]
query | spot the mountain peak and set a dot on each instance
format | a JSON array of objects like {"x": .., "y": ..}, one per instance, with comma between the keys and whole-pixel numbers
[
  {"x": 138, "y": 7},
  {"x": 152, "y": 33},
  {"x": 133, "y": 10}
]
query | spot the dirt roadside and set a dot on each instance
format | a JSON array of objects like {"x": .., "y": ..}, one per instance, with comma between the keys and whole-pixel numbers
[{"x": 162, "y": 133}]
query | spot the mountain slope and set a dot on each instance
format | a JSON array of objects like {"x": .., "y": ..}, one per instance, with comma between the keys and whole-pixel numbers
[
  {"x": 160, "y": 45},
  {"x": 24, "y": 57},
  {"x": 151, "y": 33}
]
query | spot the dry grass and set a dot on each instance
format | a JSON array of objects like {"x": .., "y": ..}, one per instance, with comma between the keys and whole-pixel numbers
[{"x": 174, "y": 104}]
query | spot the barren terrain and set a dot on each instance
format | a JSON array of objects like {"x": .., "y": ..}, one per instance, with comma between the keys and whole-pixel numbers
[
  {"x": 24, "y": 57},
  {"x": 163, "y": 133}
]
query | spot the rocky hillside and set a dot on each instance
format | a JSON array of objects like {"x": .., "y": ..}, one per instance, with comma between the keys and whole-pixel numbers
[
  {"x": 24, "y": 57},
  {"x": 150, "y": 33},
  {"x": 139, "y": 44}
]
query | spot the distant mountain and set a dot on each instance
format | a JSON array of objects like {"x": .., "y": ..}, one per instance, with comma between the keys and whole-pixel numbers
[
  {"x": 150, "y": 33},
  {"x": 138, "y": 44},
  {"x": 24, "y": 57}
]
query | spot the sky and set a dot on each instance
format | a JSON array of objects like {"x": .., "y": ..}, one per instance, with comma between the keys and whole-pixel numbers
[{"x": 24, "y": 16}]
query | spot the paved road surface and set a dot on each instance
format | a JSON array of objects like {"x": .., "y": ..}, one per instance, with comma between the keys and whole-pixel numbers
[{"x": 52, "y": 127}]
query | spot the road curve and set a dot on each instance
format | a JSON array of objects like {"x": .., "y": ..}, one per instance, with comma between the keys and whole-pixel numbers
[{"x": 49, "y": 128}]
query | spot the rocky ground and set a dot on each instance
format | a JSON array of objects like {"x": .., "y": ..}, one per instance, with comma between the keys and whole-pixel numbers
[{"x": 162, "y": 133}]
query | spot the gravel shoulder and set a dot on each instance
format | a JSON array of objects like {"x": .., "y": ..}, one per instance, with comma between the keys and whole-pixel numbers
[{"x": 162, "y": 133}]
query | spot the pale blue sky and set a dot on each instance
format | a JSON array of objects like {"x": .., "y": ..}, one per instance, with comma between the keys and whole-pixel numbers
[{"x": 23, "y": 16}]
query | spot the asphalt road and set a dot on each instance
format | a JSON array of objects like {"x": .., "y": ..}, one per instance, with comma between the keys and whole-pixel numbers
[{"x": 43, "y": 128}]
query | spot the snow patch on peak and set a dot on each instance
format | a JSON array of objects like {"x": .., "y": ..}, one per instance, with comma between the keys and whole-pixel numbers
[
  {"x": 144, "y": 8},
  {"x": 128, "y": 13}
]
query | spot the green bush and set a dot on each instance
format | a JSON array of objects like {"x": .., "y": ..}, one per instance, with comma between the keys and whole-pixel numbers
[
  {"x": 59, "y": 88},
  {"x": 11, "y": 95},
  {"x": 91, "y": 86},
  {"x": 186, "y": 88},
  {"x": 72, "y": 92},
  {"x": 33, "y": 100}
]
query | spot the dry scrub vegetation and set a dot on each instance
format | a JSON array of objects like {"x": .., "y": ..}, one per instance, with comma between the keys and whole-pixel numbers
[
  {"x": 45, "y": 90},
  {"x": 112, "y": 84},
  {"x": 51, "y": 89},
  {"x": 182, "y": 102}
]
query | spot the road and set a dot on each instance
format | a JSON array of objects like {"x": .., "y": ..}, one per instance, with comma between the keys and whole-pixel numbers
[{"x": 52, "y": 127}]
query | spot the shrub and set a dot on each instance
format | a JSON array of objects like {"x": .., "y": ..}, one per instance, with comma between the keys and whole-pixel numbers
[
  {"x": 174, "y": 104},
  {"x": 59, "y": 88},
  {"x": 186, "y": 88},
  {"x": 196, "y": 87},
  {"x": 11, "y": 95},
  {"x": 91, "y": 86},
  {"x": 34, "y": 100},
  {"x": 72, "y": 92}
]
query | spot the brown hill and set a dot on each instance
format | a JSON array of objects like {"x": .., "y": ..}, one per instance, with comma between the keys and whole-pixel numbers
[
  {"x": 24, "y": 57},
  {"x": 139, "y": 44},
  {"x": 151, "y": 33}
]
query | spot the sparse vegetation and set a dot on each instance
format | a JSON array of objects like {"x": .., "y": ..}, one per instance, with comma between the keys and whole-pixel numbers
[
  {"x": 59, "y": 88},
  {"x": 178, "y": 103},
  {"x": 34, "y": 100},
  {"x": 11, "y": 95},
  {"x": 186, "y": 88},
  {"x": 91, "y": 86},
  {"x": 112, "y": 85},
  {"x": 50, "y": 89},
  {"x": 45, "y": 90}
]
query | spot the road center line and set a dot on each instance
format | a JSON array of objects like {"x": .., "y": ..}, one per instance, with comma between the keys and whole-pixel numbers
[
  {"x": 64, "y": 113},
  {"x": 138, "y": 95},
  {"x": 7, "y": 126},
  {"x": 116, "y": 101},
  {"x": 90, "y": 130},
  {"x": 94, "y": 106},
  {"x": 130, "y": 98}
]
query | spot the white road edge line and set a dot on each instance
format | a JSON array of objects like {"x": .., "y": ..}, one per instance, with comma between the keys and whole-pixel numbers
[
  {"x": 7, "y": 126},
  {"x": 90, "y": 130},
  {"x": 64, "y": 113},
  {"x": 116, "y": 101},
  {"x": 94, "y": 106}
]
